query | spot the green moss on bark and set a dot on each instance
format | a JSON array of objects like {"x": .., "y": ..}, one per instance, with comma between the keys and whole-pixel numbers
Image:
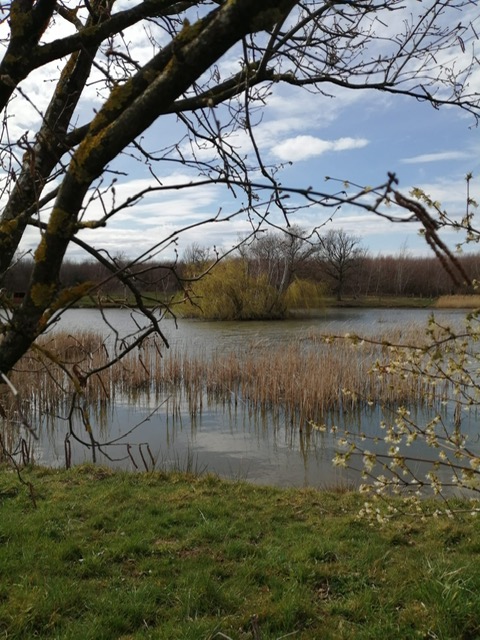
[{"x": 42, "y": 294}]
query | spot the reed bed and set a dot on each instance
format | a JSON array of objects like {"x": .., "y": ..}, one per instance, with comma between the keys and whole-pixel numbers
[
  {"x": 458, "y": 302},
  {"x": 305, "y": 383},
  {"x": 305, "y": 379}
]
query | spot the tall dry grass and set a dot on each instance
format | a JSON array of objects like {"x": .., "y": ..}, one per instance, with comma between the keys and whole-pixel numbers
[
  {"x": 458, "y": 302},
  {"x": 304, "y": 379}
]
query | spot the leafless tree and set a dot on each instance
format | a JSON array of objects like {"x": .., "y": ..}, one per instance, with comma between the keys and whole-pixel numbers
[
  {"x": 340, "y": 254},
  {"x": 280, "y": 255},
  {"x": 197, "y": 257},
  {"x": 53, "y": 177}
]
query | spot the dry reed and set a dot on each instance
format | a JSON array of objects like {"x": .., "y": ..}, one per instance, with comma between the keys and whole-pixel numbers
[
  {"x": 304, "y": 379},
  {"x": 458, "y": 302}
]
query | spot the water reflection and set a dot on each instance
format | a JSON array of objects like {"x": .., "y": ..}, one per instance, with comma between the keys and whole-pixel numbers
[
  {"x": 194, "y": 334},
  {"x": 227, "y": 438}
]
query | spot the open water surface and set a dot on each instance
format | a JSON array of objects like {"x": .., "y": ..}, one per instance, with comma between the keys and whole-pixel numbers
[{"x": 225, "y": 439}]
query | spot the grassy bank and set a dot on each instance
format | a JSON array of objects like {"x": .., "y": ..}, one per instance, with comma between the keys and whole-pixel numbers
[
  {"x": 380, "y": 302},
  {"x": 109, "y": 556},
  {"x": 367, "y": 302}
]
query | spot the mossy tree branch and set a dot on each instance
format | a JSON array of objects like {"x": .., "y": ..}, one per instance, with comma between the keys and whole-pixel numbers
[{"x": 303, "y": 44}]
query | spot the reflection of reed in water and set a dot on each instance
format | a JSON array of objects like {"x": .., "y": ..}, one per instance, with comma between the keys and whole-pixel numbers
[{"x": 303, "y": 380}]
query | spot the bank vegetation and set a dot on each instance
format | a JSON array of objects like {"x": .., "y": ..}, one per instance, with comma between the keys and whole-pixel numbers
[
  {"x": 268, "y": 278},
  {"x": 114, "y": 555},
  {"x": 298, "y": 382}
]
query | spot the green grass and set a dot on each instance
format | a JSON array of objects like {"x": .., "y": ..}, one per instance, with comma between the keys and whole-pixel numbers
[
  {"x": 381, "y": 302},
  {"x": 117, "y": 556},
  {"x": 374, "y": 302},
  {"x": 116, "y": 300}
]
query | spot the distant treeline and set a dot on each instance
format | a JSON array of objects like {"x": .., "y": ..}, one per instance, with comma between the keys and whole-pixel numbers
[
  {"x": 407, "y": 276},
  {"x": 400, "y": 275},
  {"x": 154, "y": 277}
]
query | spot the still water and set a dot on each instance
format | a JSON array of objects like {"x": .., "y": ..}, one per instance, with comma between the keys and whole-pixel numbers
[{"x": 225, "y": 439}]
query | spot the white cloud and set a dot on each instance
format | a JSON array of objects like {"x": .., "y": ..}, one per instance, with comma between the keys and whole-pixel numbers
[
  {"x": 189, "y": 214},
  {"x": 316, "y": 110},
  {"x": 305, "y": 147},
  {"x": 435, "y": 157}
]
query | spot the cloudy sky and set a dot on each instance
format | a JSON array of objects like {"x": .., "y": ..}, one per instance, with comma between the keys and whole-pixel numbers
[{"x": 357, "y": 136}]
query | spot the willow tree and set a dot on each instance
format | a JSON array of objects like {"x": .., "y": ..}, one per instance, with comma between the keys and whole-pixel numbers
[{"x": 53, "y": 176}]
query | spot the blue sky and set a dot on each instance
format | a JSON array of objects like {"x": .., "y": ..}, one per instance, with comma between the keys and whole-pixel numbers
[
  {"x": 357, "y": 136},
  {"x": 424, "y": 147}
]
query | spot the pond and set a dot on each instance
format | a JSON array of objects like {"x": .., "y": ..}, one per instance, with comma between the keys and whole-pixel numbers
[{"x": 225, "y": 438}]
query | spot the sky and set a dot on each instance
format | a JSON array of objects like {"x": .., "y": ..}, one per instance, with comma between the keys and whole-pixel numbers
[
  {"x": 357, "y": 136},
  {"x": 356, "y": 140}
]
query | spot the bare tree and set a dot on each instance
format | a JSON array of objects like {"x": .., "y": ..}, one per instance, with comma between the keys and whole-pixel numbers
[
  {"x": 340, "y": 254},
  {"x": 196, "y": 258},
  {"x": 54, "y": 177},
  {"x": 280, "y": 255}
]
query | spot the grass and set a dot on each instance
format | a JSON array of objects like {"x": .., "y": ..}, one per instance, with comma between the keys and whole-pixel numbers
[
  {"x": 153, "y": 299},
  {"x": 115, "y": 556},
  {"x": 150, "y": 299},
  {"x": 381, "y": 302},
  {"x": 458, "y": 302}
]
